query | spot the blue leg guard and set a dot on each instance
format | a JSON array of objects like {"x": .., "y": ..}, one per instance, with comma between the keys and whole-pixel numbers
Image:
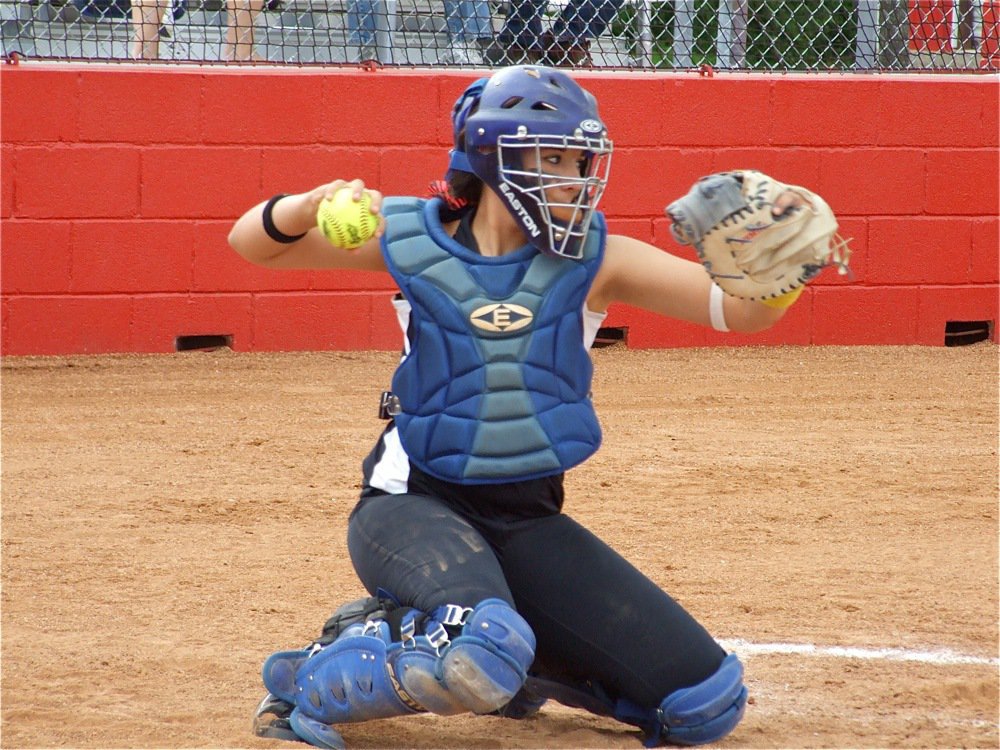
[
  {"x": 352, "y": 679},
  {"x": 705, "y": 712},
  {"x": 315, "y": 732},
  {"x": 364, "y": 674},
  {"x": 695, "y": 715},
  {"x": 487, "y": 664}
]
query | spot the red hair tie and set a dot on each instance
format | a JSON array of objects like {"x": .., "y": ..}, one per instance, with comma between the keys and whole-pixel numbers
[{"x": 441, "y": 189}]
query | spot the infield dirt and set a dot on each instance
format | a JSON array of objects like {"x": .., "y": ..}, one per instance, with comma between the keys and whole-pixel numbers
[{"x": 170, "y": 520}]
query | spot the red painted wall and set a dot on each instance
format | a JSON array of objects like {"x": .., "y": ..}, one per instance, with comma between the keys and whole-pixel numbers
[
  {"x": 119, "y": 185},
  {"x": 931, "y": 26}
]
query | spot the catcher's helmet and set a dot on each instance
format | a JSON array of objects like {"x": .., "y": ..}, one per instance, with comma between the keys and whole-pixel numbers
[{"x": 498, "y": 120}]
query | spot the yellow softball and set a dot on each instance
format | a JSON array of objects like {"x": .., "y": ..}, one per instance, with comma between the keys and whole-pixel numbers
[{"x": 347, "y": 223}]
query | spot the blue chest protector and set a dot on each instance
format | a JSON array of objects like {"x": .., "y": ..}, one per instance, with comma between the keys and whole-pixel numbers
[{"x": 496, "y": 385}]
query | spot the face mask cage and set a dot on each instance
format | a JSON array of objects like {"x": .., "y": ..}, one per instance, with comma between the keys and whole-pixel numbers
[{"x": 529, "y": 192}]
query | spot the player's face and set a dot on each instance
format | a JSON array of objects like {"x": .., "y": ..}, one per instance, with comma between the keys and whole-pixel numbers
[{"x": 561, "y": 169}]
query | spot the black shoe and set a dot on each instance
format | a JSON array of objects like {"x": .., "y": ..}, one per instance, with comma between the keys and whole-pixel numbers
[
  {"x": 271, "y": 720},
  {"x": 500, "y": 54},
  {"x": 525, "y": 704},
  {"x": 566, "y": 54}
]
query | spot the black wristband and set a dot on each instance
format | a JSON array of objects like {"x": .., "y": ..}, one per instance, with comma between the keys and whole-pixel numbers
[{"x": 272, "y": 231}]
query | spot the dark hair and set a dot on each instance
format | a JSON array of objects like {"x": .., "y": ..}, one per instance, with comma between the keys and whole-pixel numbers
[
  {"x": 459, "y": 194},
  {"x": 466, "y": 187},
  {"x": 460, "y": 191}
]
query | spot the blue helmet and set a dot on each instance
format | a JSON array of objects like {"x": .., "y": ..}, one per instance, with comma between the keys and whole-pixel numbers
[{"x": 528, "y": 108}]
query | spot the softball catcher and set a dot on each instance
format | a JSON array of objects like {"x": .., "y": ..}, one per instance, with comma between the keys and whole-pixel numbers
[{"x": 485, "y": 597}]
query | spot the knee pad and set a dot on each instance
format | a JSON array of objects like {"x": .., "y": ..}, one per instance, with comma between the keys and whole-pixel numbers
[
  {"x": 479, "y": 670},
  {"x": 705, "y": 712},
  {"x": 487, "y": 664},
  {"x": 365, "y": 674}
]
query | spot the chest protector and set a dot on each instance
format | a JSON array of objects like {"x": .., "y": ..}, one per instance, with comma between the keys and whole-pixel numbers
[{"x": 495, "y": 386}]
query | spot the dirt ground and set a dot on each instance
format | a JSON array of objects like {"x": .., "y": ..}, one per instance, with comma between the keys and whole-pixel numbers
[{"x": 170, "y": 520}]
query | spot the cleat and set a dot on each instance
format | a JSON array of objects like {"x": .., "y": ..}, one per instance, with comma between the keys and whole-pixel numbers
[{"x": 271, "y": 720}]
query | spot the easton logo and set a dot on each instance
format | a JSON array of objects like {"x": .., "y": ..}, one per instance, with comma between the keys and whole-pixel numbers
[
  {"x": 501, "y": 317},
  {"x": 522, "y": 212}
]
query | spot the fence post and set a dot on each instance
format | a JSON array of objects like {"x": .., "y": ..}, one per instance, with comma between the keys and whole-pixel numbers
[
  {"x": 683, "y": 33},
  {"x": 731, "y": 39},
  {"x": 893, "y": 35},
  {"x": 643, "y": 20},
  {"x": 866, "y": 40},
  {"x": 385, "y": 26}
]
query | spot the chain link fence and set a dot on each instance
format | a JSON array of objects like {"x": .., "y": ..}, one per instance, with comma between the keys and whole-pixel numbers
[{"x": 776, "y": 35}]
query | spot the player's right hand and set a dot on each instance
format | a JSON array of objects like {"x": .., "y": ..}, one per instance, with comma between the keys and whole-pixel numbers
[
  {"x": 310, "y": 201},
  {"x": 327, "y": 191}
]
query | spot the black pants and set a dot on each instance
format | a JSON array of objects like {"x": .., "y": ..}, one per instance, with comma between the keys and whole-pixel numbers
[{"x": 595, "y": 616}]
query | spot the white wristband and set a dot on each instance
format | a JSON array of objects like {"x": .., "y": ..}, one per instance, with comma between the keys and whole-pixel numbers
[{"x": 715, "y": 312}]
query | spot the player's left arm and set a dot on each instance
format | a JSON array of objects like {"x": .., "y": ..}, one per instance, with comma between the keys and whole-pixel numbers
[{"x": 642, "y": 275}]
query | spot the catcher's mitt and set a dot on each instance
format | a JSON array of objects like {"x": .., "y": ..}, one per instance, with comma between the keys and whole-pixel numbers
[{"x": 746, "y": 249}]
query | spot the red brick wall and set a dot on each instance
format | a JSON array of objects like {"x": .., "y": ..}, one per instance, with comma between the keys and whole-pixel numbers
[{"x": 120, "y": 184}]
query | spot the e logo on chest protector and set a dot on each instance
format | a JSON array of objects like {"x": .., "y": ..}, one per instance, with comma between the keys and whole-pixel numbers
[{"x": 502, "y": 317}]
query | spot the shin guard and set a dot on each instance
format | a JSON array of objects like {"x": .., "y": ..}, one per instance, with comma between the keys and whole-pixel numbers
[
  {"x": 694, "y": 715},
  {"x": 705, "y": 712},
  {"x": 366, "y": 674}
]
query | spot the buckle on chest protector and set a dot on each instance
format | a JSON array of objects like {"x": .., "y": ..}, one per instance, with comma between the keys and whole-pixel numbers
[{"x": 388, "y": 405}]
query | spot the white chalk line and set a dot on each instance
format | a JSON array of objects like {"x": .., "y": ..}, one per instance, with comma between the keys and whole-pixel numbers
[{"x": 933, "y": 656}]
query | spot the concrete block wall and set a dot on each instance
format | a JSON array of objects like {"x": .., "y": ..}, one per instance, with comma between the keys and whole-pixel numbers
[{"x": 120, "y": 183}]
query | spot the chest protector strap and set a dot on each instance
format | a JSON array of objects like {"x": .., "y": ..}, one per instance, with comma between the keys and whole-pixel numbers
[{"x": 495, "y": 386}]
